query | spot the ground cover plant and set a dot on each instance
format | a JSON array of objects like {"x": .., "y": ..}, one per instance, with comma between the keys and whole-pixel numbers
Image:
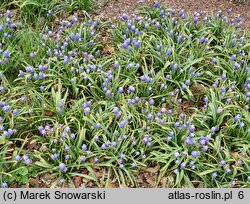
[{"x": 104, "y": 101}]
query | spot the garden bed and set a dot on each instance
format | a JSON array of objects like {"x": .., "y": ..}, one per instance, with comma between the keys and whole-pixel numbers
[{"x": 159, "y": 99}]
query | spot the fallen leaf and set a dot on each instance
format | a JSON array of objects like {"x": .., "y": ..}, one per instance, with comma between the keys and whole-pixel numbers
[
  {"x": 14, "y": 185},
  {"x": 34, "y": 182},
  {"x": 83, "y": 185},
  {"x": 43, "y": 148},
  {"x": 77, "y": 181},
  {"x": 186, "y": 104},
  {"x": 235, "y": 155},
  {"x": 48, "y": 113},
  {"x": 98, "y": 171},
  {"x": 140, "y": 178},
  {"x": 111, "y": 185},
  {"x": 163, "y": 182},
  {"x": 153, "y": 169},
  {"x": 84, "y": 171},
  {"x": 109, "y": 49},
  {"x": 150, "y": 179}
]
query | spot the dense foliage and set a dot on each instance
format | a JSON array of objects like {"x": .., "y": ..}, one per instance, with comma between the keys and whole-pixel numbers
[{"x": 161, "y": 89}]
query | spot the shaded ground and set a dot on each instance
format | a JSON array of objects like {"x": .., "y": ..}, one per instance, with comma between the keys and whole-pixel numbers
[{"x": 114, "y": 8}]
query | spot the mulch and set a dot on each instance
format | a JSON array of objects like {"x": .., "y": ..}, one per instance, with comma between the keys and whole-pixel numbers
[{"x": 114, "y": 8}]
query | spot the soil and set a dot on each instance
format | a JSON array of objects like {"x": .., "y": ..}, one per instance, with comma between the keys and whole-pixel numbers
[{"x": 114, "y": 8}]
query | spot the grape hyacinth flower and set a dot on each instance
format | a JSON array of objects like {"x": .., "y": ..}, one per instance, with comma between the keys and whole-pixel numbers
[
  {"x": 32, "y": 55},
  {"x": 84, "y": 147},
  {"x": 116, "y": 65},
  {"x": 228, "y": 170},
  {"x": 169, "y": 52},
  {"x": 223, "y": 77},
  {"x": 151, "y": 101},
  {"x": 176, "y": 154},
  {"x": 214, "y": 60},
  {"x": 237, "y": 118},
  {"x": 62, "y": 166},
  {"x": 214, "y": 175},
  {"x": 122, "y": 124},
  {"x": 27, "y": 160},
  {"x": 195, "y": 153},
  {"x": 4, "y": 185},
  {"x": 236, "y": 65},
  {"x": 233, "y": 57},
  {"x": 183, "y": 165},
  {"x": 62, "y": 181},
  {"x": 6, "y": 54},
  {"x": 192, "y": 128},
  {"x": 222, "y": 162},
  {"x": 176, "y": 171},
  {"x": 86, "y": 110},
  {"x": 6, "y": 108},
  {"x": 17, "y": 158},
  {"x": 83, "y": 158},
  {"x": 120, "y": 90},
  {"x": 15, "y": 112}
]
